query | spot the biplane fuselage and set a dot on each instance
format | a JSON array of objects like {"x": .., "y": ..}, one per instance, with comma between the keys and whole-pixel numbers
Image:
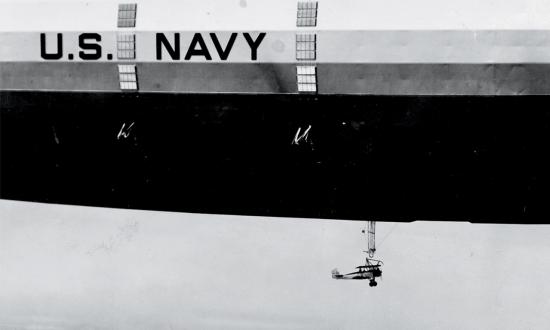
[{"x": 361, "y": 275}]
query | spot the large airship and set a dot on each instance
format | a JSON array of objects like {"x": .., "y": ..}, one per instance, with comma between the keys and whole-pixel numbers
[{"x": 392, "y": 110}]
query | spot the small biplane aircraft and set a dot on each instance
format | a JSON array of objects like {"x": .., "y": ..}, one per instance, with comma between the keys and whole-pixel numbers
[{"x": 371, "y": 270}]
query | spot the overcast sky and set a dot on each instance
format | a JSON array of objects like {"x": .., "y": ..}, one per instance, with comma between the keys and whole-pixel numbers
[{"x": 67, "y": 267}]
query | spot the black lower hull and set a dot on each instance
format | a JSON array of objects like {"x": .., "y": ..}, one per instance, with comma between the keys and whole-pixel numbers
[{"x": 482, "y": 159}]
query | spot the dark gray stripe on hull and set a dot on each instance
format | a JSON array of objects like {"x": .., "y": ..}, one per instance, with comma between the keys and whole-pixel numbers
[
  {"x": 435, "y": 79},
  {"x": 58, "y": 76},
  {"x": 375, "y": 79}
]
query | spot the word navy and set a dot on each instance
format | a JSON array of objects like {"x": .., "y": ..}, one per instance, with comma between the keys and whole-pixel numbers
[{"x": 198, "y": 47}]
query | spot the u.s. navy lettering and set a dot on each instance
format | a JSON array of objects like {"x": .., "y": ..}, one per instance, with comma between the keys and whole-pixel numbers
[{"x": 170, "y": 46}]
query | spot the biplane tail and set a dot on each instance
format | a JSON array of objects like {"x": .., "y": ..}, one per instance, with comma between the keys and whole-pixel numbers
[{"x": 336, "y": 273}]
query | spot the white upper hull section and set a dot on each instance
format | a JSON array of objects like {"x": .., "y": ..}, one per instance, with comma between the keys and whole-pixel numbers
[
  {"x": 423, "y": 47},
  {"x": 228, "y": 15}
]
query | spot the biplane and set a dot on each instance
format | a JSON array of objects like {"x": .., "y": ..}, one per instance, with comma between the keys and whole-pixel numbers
[{"x": 370, "y": 271}]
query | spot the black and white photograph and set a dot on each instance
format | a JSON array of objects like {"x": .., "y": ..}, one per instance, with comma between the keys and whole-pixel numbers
[{"x": 274, "y": 164}]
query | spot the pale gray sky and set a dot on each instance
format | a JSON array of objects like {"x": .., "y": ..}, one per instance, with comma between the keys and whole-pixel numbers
[{"x": 64, "y": 267}]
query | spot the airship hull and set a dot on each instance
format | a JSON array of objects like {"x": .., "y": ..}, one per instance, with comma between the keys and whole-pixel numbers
[{"x": 296, "y": 109}]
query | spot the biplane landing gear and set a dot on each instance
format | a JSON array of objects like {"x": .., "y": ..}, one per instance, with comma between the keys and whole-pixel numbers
[{"x": 373, "y": 283}]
